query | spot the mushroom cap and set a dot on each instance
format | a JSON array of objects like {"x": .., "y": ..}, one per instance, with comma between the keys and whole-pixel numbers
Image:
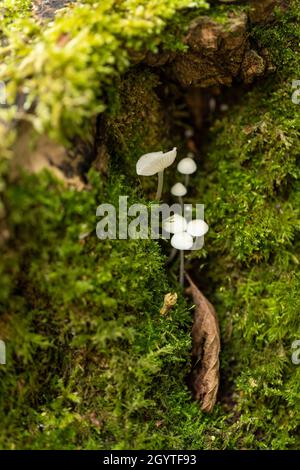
[
  {"x": 174, "y": 224},
  {"x": 178, "y": 190},
  {"x": 154, "y": 162},
  {"x": 187, "y": 166},
  {"x": 182, "y": 241},
  {"x": 212, "y": 104},
  {"x": 189, "y": 133},
  {"x": 197, "y": 228}
]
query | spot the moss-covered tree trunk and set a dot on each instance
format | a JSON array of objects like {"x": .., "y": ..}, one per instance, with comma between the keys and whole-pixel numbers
[{"x": 90, "y": 360}]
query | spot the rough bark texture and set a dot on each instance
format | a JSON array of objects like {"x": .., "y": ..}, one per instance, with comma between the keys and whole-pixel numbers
[
  {"x": 47, "y": 8},
  {"x": 263, "y": 11},
  {"x": 218, "y": 52},
  {"x": 215, "y": 52}
]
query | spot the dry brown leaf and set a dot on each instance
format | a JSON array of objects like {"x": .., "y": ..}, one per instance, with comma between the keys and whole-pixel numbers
[
  {"x": 206, "y": 349},
  {"x": 169, "y": 302}
]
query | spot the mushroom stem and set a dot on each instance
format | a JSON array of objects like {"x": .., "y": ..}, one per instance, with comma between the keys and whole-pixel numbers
[
  {"x": 160, "y": 184},
  {"x": 181, "y": 275},
  {"x": 172, "y": 256},
  {"x": 186, "y": 180},
  {"x": 181, "y": 202},
  {"x": 198, "y": 243}
]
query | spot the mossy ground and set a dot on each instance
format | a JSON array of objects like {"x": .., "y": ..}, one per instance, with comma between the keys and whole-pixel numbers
[{"x": 91, "y": 363}]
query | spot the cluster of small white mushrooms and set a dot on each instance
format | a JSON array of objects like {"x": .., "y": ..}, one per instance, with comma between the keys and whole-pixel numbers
[
  {"x": 184, "y": 235},
  {"x": 183, "y": 232}
]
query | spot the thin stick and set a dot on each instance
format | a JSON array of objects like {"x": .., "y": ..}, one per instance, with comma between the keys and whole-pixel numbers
[
  {"x": 160, "y": 185},
  {"x": 181, "y": 276}
]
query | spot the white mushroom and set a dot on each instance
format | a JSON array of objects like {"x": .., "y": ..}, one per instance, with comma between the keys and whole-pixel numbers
[
  {"x": 156, "y": 162},
  {"x": 212, "y": 104},
  {"x": 224, "y": 107},
  {"x": 188, "y": 133},
  {"x": 175, "y": 224},
  {"x": 187, "y": 166},
  {"x": 182, "y": 241},
  {"x": 179, "y": 190},
  {"x": 197, "y": 228}
]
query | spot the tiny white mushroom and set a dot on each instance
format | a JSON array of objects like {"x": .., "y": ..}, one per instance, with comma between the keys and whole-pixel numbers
[
  {"x": 175, "y": 224},
  {"x": 224, "y": 107},
  {"x": 187, "y": 166},
  {"x": 156, "y": 162},
  {"x": 179, "y": 190},
  {"x": 189, "y": 133},
  {"x": 182, "y": 241},
  {"x": 197, "y": 228},
  {"x": 212, "y": 104}
]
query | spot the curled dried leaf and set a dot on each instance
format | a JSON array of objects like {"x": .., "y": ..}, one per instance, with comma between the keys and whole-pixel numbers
[
  {"x": 206, "y": 349},
  {"x": 169, "y": 302}
]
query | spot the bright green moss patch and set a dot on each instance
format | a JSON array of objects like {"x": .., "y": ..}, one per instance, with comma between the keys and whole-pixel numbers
[
  {"x": 91, "y": 361},
  {"x": 68, "y": 65}
]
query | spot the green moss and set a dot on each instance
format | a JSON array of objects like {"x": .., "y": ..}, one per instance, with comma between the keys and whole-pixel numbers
[
  {"x": 65, "y": 68},
  {"x": 136, "y": 122},
  {"x": 72, "y": 346},
  {"x": 251, "y": 193},
  {"x": 221, "y": 13},
  {"x": 91, "y": 363}
]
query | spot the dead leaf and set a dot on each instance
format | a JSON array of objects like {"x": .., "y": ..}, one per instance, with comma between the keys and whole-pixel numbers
[
  {"x": 206, "y": 349},
  {"x": 169, "y": 302}
]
